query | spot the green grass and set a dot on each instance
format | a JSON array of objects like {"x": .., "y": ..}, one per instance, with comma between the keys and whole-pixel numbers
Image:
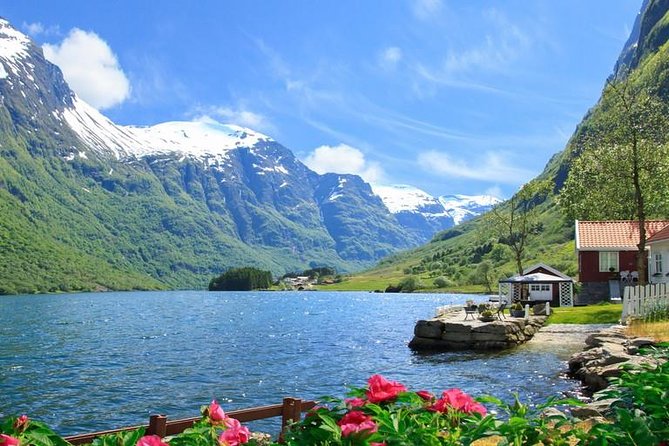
[{"x": 593, "y": 314}]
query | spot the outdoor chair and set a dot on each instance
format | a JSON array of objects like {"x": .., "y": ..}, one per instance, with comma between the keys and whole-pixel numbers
[
  {"x": 500, "y": 311},
  {"x": 471, "y": 310}
]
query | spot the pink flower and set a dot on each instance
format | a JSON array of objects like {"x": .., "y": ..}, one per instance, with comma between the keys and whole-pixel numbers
[
  {"x": 374, "y": 443},
  {"x": 456, "y": 399},
  {"x": 380, "y": 389},
  {"x": 6, "y": 440},
  {"x": 356, "y": 422},
  {"x": 235, "y": 434},
  {"x": 424, "y": 394},
  {"x": 151, "y": 440},
  {"x": 21, "y": 422},
  {"x": 355, "y": 402},
  {"x": 215, "y": 412}
]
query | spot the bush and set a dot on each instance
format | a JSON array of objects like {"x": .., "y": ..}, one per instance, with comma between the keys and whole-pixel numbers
[
  {"x": 442, "y": 282},
  {"x": 410, "y": 284}
]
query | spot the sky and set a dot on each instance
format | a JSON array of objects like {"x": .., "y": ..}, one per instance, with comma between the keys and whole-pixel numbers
[{"x": 453, "y": 97}]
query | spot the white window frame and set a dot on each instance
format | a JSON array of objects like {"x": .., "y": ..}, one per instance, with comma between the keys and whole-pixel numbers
[
  {"x": 608, "y": 259},
  {"x": 658, "y": 263}
]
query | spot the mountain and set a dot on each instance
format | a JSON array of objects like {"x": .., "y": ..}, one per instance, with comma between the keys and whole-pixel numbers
[
  {"x": 455, "y": 253},
  {"x": 88, "y": 204},
  {"x": 424, "y": 215}
]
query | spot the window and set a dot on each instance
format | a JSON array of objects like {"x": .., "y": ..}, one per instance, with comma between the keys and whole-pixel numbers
[
  {"x": 608, "y": 260},
  {"x": 540, "y": 287},
  {"x": 658, "y": 263}
]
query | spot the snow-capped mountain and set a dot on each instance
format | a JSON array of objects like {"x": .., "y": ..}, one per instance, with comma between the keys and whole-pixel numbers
[
  {"x": 171, "y": 204},
  {"x": 466, "y": 207},
  {"x": 424, "y": 215}
]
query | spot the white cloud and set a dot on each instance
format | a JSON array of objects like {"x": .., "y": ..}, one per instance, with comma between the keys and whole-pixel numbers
[
  {"x": 426, "y": 9},
  {"x": 90, "y": 68},
  {"x": 344, "y": 159},
  {"x": 390, "y": 57},
  {"x": 492, "y": 168}
]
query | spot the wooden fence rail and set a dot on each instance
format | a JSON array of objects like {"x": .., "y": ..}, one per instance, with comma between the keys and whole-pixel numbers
[
  {"x": 290, "y": 411},
  {"x": 640, "y": 301}
]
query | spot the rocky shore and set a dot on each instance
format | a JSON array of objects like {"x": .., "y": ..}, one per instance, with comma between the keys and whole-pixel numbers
[
  {"x": 605, "y": 353},
  {"x": 450, "y": 331}
]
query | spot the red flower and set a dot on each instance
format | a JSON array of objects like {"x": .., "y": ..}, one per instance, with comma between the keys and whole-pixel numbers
[
  {"x": 151, "y": 440},
  {"x": 6, "y": 440},
  {"x": 356, "y": 422},
  {"x": 235, "y": 434},
  {"x": 456, "y": 399},
  {"x": 216, "y": 413},
  {"x": 380, "y": 389},
  {"x": 355, "y": 402},
  {"x": 427, "y": 396},
  {"x": 21, "y": 422}
]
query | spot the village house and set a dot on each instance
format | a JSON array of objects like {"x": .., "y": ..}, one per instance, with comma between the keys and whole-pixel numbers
[{"x": 607, "y": 252}]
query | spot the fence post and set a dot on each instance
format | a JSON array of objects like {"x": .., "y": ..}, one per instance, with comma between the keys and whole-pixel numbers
[
  {"x": 157, "y": 425},
  {"x": 290, "y": 413}
]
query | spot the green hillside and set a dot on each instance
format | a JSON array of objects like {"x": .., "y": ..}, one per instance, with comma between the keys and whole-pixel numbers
[{"x": 456, "y": 254}]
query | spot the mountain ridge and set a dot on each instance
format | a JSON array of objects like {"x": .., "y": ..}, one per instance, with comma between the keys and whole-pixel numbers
[{"x": 90, "y": 205}]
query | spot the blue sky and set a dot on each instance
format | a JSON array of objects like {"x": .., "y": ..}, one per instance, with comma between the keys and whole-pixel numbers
[{"x": 449, "y": 96}]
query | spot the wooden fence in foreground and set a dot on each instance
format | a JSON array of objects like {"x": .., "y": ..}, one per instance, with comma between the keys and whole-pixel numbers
[
  {"x": 641, "y": 301},
  {"x": 290, "y": 411}
]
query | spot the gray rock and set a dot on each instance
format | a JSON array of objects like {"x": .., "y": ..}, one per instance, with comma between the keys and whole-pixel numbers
[{"x": 429, "y": 329}]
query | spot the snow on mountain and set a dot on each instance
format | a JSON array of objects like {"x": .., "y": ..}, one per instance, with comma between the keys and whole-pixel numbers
[
  {"x": 402, "y": 197},
  {"x": 465, "y": 207},
  {"x": 14, "y": 45},
  {"x": 197, "y": 139}
]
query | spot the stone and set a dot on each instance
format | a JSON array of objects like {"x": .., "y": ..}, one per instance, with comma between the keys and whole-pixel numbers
[
  {"x": 641, "y": 342},
  {"x": 552, "y": 412},
  {"x": 429, "y": 329}
]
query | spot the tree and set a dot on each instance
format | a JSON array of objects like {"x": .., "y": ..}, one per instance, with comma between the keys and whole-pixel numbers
[
  {"x": 241, "y": 279},
  {"x": 485, "y": 274},
  {"x": 513, "y": 221},
  {"x": 622, "y": 166}
]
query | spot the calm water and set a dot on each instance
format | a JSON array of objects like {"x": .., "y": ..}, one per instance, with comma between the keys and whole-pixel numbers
[{"x": 84, "y": 362}]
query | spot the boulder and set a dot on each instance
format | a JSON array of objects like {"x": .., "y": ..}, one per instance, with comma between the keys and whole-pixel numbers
[{"x": 432, "y": 328}]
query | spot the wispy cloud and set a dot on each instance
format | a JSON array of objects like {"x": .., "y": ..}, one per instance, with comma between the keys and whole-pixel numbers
[
  {"x": 343, "y": 158},
  {"x": 239, "y": 116},
  {"x": 426, "y": 9},
  {"x": 491, "y": 167},
  {"x": 390, "y": 57},
  {"x": 91, "y": 68},
  {"x": 36, "y": 29},
  {"x": 504, "y": 43}
]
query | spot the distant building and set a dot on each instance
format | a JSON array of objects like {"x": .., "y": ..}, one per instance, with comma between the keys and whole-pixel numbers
[{"x": 658, "y": 268}]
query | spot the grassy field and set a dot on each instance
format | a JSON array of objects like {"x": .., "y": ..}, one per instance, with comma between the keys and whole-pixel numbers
[{"x": 592, "y": 314}]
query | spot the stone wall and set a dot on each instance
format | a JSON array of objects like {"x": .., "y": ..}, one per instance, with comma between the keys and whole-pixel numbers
[{"x": 448, "y": 334}]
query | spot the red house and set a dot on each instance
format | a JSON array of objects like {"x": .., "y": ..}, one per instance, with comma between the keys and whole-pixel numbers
[{"x": 607, "y": 253}]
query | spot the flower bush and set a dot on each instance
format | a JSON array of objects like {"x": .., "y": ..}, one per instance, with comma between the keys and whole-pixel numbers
[{"x": 386, "y": 413}]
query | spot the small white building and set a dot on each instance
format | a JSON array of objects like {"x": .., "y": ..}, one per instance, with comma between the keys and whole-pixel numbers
[
  {"x": 658, "y": 257},
  {"x": 539, "y": 283}
]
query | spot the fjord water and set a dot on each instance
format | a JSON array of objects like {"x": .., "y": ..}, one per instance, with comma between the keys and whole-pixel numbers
[{"x": 85, "y": 362}]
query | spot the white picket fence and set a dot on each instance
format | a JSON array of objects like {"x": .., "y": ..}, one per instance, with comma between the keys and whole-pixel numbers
[{"x": 640, "y": 301}]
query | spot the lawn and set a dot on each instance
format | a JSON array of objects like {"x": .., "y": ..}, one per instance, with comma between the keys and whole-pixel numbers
[{"x": 605, "y": 313}]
